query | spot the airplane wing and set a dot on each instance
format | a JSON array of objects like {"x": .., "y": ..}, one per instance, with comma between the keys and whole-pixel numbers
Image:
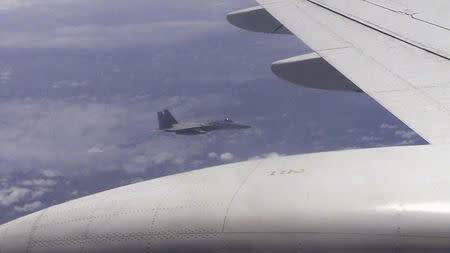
[
  {"x": 191, "y": 131},
  {"x": 187, "y": 128},
  {"x": 396, "y": 51}
]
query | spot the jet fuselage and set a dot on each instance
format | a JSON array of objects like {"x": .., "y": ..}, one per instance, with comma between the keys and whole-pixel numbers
[{"x": 372, "y": 200}]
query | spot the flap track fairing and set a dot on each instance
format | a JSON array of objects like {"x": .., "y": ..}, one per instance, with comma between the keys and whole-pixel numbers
[
  {"x": 256, "y": 19},
  {"x": 311, "y": 70}
]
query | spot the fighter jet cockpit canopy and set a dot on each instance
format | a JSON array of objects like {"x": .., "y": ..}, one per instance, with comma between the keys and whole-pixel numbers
[{"x": 227, "y": 120}]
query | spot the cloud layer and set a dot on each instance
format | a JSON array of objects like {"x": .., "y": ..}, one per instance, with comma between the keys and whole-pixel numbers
[
  {"x": 107, "y": 24},
  {"x": 81, "y": 82}
]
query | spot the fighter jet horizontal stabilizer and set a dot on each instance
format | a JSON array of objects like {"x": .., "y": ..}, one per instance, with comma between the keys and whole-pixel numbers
[
  {"x": 256, "y": 19},
  {"x": 311, "y": 70}
]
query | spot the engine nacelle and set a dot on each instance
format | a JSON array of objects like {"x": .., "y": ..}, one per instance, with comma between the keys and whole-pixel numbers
[
  {"x": 256, "y": 19},
  {"x": 311, "y": 70}
]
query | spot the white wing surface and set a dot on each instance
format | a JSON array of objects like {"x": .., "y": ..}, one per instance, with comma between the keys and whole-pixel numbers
[{"x": 397, "y": 51}]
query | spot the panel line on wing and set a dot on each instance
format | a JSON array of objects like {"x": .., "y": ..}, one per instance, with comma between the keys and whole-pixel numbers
[
  {"x": 332, "y": 48},
  {"x": 382, "y": 30},
  {"x": 428, "y": 22}
]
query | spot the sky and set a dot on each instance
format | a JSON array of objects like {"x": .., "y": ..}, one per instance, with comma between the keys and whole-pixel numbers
[{"x": 81, "y": 82}]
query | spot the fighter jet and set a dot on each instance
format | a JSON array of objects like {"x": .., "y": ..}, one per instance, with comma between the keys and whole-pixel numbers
[{"x": 169, "y": 124}]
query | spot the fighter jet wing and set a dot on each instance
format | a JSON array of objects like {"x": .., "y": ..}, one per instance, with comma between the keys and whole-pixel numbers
[
  {"x": 187, "y": 129},
  {"x": 396, "y": 51},
  {"x": 191, "y": 131},
  {"x": 185, "y": 126}
]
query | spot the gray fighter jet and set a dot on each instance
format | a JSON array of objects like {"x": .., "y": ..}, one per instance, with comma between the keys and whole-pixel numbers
[{"x": 169, "y": 124}]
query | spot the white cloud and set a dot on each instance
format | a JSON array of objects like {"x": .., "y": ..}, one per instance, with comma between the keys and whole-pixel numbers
[
  {"x": 178, "y": 160},
  {"x": 39, "y": 182},
  {"x": 69, "y": 83},
  {"x": 55, "y": 134},
  {"x": 226, "y": 157},
  {"x": 354, "y": 130},
  {"x": 50, "y": 173},
  {"x": 162, "y": 157},
  {"x": 5, "y": 75},
  {"x": 272, "y": 155},
  {"x": 29, "y": 207},
  {"x": 268, "y": 155},
  {"x": 12, "y": 195},
  {"x": 213, "y": 155},
  {"x": 405, "y": 134},
  {"x": 111, "y": 36},
  {"x": 15, "y": 194},
  {"x": 134, "y": 169},
  {"x": 10, "y": 4},
  {"x": 388, "y": 126},
  {"x": 116, "y": 5},
  {"x": 371, "y": 138},
  {"x": 95, "y": 150},
  {"x": 85, "y": 137},
  {"x": 39, "y": 192},
  {"x": 407, "y": 142}
]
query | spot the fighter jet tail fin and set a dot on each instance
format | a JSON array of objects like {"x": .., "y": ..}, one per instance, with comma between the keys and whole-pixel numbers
[{"x": 166, "y": 120}]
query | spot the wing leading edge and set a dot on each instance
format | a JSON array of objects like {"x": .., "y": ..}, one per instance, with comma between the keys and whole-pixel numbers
[{"x": 400, "y": 61}]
